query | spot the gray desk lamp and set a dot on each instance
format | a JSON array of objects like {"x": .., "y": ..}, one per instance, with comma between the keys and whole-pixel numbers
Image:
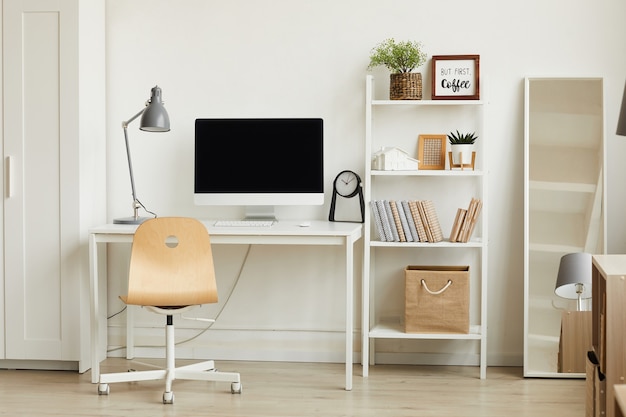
[
  {"x": 154, "y": 118},
  {"x": 574, "y": 278},
  {"x": 621, "y": 122}
]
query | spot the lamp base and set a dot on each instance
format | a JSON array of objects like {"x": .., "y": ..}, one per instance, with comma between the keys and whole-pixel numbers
[
  {"x": 575, "y": 341},
  {"x": 130, "y": 220}
]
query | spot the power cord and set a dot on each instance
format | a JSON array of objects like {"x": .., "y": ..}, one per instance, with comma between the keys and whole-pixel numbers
[
  {"x": 219, "y": 313},
  {"x": 145, "y": 209}
]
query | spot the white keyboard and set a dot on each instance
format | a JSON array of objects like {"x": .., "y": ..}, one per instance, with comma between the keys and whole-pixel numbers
[{"x": 244, "y": 223}]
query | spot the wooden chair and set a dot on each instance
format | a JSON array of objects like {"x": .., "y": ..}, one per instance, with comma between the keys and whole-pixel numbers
[{"x": 171, "y": 271}]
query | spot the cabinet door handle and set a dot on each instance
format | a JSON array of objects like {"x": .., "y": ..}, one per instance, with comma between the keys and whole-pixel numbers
[{"x": 9, "y": 177}]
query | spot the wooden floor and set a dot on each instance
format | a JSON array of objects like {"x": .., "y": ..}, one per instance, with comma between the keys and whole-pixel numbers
[{"x": 299, "y": 389}]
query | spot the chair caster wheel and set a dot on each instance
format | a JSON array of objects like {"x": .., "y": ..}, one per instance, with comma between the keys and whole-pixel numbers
[
  {"x": 168, "y": 397},
  {"x": 103, "y": 389},
  {"x": 235, "y": 388}
]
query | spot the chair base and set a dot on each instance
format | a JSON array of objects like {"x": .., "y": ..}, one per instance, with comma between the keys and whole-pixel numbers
[{"x": 201, "y": 371}]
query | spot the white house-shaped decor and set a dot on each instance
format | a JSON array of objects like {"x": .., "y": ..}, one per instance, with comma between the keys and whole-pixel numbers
[{"x": 393, "y": 159}]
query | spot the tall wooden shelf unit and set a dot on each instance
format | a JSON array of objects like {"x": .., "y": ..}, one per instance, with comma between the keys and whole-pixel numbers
[{"x": 398, "y": 123}]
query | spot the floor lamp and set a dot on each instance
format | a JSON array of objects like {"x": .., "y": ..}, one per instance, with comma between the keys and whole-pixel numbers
[{"x": 154, "y": 118}]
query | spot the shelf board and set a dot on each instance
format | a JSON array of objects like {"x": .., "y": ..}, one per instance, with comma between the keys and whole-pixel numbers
[
  {"x": 427, "y": 102},
  {"x": 542, "y": 338},
  {"x": 395, "y": 330},
  {"x": 430, "y": 173},
  {"x": 572, "y": 187},
  {"x": 474, "y": 243},
  {"x": 554, "y": 248}
]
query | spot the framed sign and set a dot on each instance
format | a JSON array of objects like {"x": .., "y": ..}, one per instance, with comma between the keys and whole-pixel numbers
[
  {"x": 456, "y": 77},
  {"x": 431, "y": 152}
]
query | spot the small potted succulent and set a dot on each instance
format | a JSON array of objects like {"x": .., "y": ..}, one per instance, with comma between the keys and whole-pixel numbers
[
  {"x": 461, "y": 145},
  {"x": 401, "y": 58}
]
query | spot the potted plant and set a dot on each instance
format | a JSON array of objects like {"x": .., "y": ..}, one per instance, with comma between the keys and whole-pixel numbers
[
  {"x": 401, "y": 58},
  {"x": 461, "y": 145}
]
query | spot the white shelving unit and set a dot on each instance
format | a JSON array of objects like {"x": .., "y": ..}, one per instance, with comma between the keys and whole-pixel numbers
[{"x": 398, "y": 123}]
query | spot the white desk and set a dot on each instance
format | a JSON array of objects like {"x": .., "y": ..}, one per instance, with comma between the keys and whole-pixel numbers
[{"x": 281, "y": 233}]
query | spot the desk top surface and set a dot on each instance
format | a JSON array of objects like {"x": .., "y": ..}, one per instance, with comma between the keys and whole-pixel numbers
[{"x": 279, "y": 228}]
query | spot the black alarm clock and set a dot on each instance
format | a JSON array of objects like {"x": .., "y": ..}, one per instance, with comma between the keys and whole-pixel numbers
[{"x": 347, "y": 184}]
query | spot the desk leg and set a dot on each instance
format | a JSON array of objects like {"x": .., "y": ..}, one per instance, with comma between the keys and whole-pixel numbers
[
  {"x": 95, "y": 328},
  {"x": 349, "y": 311}
]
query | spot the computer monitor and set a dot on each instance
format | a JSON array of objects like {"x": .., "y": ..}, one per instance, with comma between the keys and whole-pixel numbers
[{"x": 259, "y": 163}]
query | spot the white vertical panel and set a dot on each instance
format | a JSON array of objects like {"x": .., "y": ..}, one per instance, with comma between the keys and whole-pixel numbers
[
  {"x": 41, "y": 191},
  {"x": 33, "y": 142},
  {"x": 91, "y": 151},
  {"x": 13, "y": 149},
  {"x": 7, "y": 188},
  {"x": 48, "y": 131}
]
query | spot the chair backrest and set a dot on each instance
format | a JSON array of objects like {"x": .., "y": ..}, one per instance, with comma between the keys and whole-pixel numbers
[{"x": 171, "y": 264}]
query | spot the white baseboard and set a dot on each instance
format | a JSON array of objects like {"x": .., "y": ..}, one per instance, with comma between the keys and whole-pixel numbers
[
  {"x": 323, "y": 346},
  {"x": 39, "y": 364},
  {"x": 404, "y": 358}
]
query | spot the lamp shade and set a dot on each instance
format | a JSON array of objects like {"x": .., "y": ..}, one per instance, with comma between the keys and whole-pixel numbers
[
  {"x": 574, "y": 270},
  {"x": 621, "y": 122},
  {"x": 155, "y": 118}
]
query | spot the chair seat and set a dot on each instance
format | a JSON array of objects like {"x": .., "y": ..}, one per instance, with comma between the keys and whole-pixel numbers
[
  {"x": 165, "y": 310},
  {"x": 168, "y": 311}
]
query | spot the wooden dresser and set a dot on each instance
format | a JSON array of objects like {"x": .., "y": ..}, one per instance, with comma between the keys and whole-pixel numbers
[{"x": 609, "y": 328}]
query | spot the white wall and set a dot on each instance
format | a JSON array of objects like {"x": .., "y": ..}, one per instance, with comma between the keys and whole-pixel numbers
[{"x": 308, "y": 58}]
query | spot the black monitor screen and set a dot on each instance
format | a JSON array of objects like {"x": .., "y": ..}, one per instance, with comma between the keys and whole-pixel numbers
[{"x": 271, "y": 157}]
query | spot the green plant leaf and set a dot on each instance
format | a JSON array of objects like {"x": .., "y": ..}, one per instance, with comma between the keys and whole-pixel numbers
[
  {"x": 462, "y": 138},
  {"x": 398, "y": 57}
]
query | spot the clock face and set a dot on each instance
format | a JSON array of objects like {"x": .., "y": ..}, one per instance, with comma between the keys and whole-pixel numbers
[{"x": 347, "y": 184}]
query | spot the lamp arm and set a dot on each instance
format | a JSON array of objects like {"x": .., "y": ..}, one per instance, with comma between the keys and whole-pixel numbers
[
  {"x": 125, "y": 124},
  {"x": 130, "y": 165}
]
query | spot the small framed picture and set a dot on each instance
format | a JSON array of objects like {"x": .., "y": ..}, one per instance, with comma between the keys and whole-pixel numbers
[
  {"x": 455, "y": 77},
  {"x": 431, "y": 152}
]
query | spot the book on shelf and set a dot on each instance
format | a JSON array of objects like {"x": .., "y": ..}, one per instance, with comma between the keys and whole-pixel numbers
[
  {"x": 456, "y": 226},
  {"x": 419, "y": 225},
  {"x": 432, "y": 221},
  {"x": 397, "y": 221},
  {"x": 388, "y": 236},
  {"x": 377, "y": 221},
  {"x": 464, "y": 227},
  {"x": 406, "y": 221},
  {"x": 422, "y": 213},
  {"x": 409, "y": 220},
  {"x": 478, "y": 204},
  {"x": 395, "y": 237}
]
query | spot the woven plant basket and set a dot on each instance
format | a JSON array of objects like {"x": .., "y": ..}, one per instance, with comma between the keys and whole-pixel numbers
[{"x": 406, "y": 86}]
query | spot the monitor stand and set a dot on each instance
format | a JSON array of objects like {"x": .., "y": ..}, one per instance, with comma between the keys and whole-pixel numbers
[{"x": 260, "y": 213}]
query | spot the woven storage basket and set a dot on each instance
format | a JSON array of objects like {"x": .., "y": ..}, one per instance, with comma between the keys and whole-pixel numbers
[
  {"x": 436, "y": 299},
  {"x": 406, "y": 86}
]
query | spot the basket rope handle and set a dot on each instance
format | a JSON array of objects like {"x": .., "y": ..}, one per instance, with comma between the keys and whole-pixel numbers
[{"x": 436, "y": 292}]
